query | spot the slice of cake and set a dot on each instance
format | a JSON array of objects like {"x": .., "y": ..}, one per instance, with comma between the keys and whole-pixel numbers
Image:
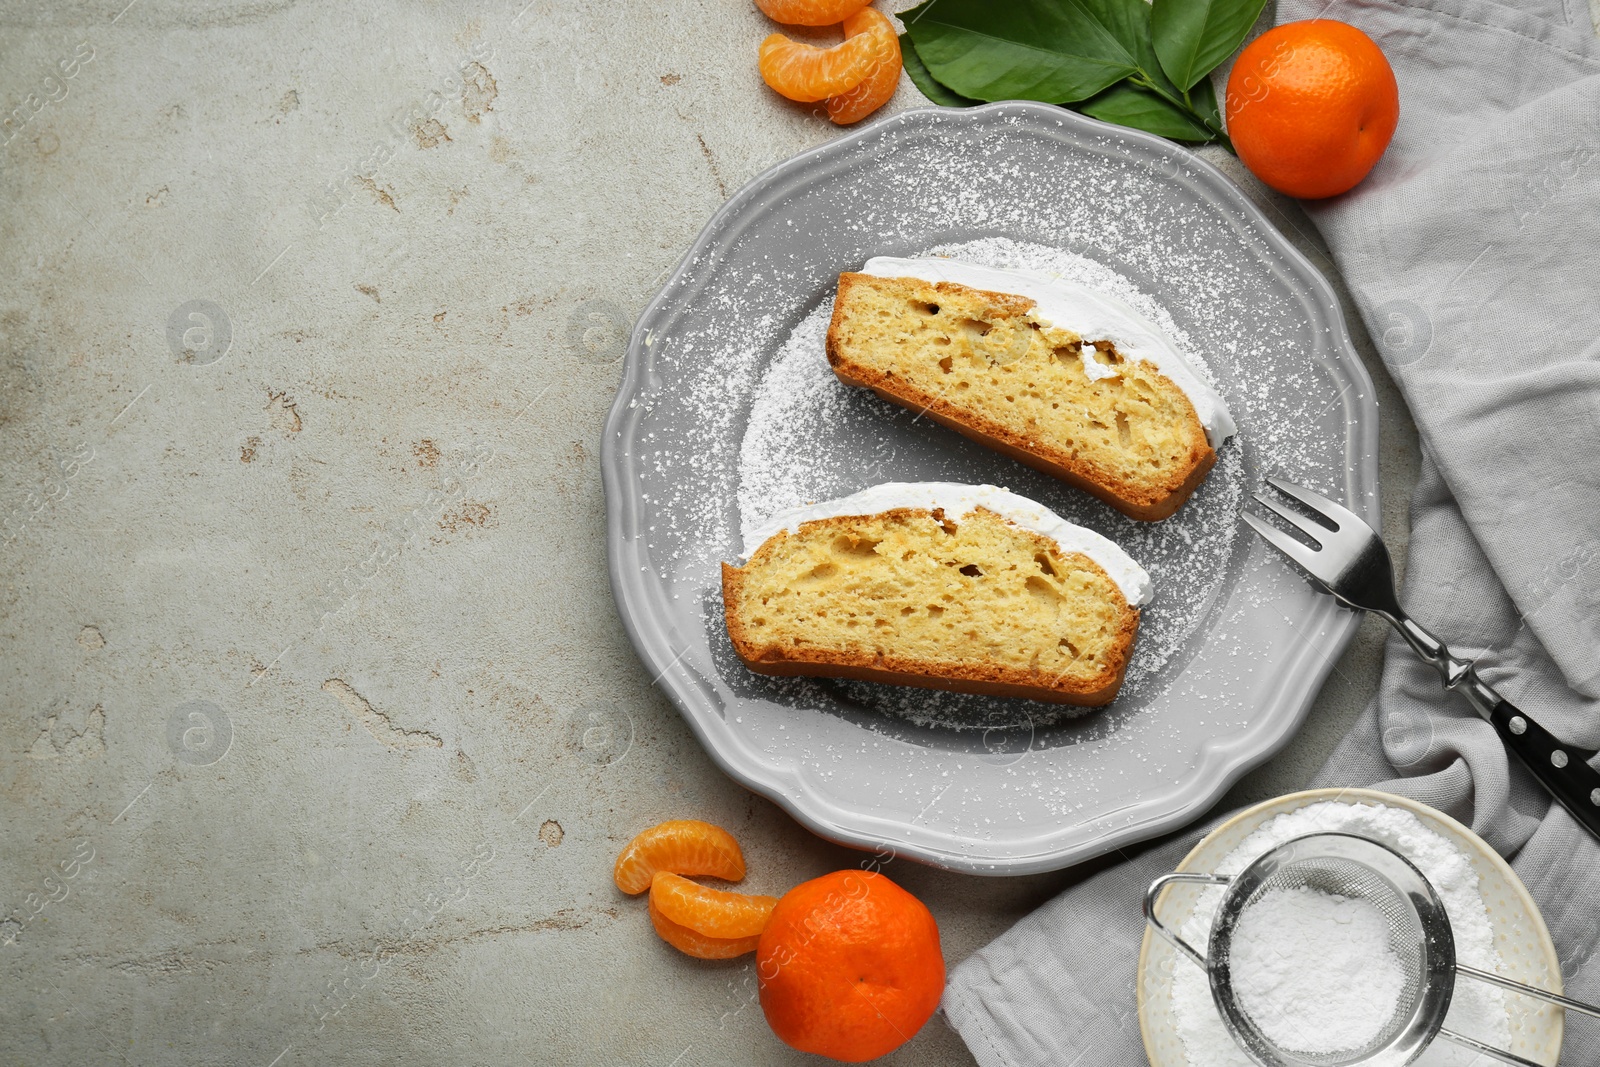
[
  {"x": 1067, "y": 379},
  {"x": 935, "y": 584}
]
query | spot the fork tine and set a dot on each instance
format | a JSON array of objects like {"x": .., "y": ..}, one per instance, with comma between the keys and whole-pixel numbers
[
  {"x": 1310, "y": 527},
  {"x": 1347, "y": 520},
  {"x": 1299, "y": 553}
]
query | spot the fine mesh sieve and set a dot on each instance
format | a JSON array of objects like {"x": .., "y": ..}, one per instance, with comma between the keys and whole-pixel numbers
[{"x": 1418, "y": 935}]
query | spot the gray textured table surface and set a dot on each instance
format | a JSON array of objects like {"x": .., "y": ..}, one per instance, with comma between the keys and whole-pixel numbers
[{"x": 310, "y": 323}]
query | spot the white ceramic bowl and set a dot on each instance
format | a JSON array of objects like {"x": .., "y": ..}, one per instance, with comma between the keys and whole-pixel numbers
[{"x": 1526, "y": 951}]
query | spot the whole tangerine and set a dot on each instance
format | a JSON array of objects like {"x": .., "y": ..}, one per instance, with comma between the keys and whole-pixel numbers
[
  {"x": 1311, "y": 106},
  {"x": 849, "y": 966}
]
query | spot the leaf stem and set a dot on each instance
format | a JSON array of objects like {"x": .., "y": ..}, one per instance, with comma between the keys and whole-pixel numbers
[{"x": 1218, "y": 134}]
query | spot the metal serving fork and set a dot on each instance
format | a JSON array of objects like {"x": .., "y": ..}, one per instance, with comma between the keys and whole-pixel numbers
[{"x": 1352, "y": 563}]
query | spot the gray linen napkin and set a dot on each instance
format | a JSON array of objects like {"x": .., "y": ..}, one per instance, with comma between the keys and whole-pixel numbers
[{"x": 1473, "y": 253}]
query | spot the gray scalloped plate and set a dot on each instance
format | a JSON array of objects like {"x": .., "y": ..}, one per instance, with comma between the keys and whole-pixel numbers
[{"x": 1239, "y": 643}]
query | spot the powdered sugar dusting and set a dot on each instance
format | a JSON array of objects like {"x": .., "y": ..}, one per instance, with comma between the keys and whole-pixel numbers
[
  {"x": 1003, "y": 789},
  {"x": 1316, "y": 970},
  {"x": 791, "y": 455},
  {"x": 1477, "y": 1009}
]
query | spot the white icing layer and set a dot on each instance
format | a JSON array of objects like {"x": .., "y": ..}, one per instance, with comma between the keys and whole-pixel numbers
[
  {"x": 1089, "y": 313},
  {"x": 959, "y": 500}
]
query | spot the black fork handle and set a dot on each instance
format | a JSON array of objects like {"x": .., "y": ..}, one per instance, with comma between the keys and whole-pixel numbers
[{"x": 1562, "y": 769}]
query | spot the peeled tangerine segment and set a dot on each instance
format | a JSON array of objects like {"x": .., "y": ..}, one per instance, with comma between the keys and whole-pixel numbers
[
  {"x": 712, "y": 912},
  {"x": 697, "y": 944},
  {"x": 810, "y": 12},
  {"x": 681, "y": 846},
  {"x": 807, "y": 73},
  {"x": 883, "y": 78}
]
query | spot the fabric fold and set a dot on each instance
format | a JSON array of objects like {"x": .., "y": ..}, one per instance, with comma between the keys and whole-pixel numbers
[{"x": 1473, "y": 255}]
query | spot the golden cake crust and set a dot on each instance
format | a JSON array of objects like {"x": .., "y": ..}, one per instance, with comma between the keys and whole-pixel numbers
[
  {"x": 969, "y": 675},
  {"x": 1157, "y": 495}
]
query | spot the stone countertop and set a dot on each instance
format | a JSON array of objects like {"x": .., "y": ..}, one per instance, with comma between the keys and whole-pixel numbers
[{"x": 313, "y": 320}]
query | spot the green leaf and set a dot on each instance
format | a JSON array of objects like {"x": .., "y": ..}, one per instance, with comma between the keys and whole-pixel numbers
[
  {"x": 1098, "y": 55},
  {"x": 1136, "y": 14},
  {"x": 1193, "y": 36},
  {"x": 925, "y": 82},
  {"x": 1131, "y": 105},
  {"x": 1204, "y": 99},
  {"x": 1057, "y": 51}
]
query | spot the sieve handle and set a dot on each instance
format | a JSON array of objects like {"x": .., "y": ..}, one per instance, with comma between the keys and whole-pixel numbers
[
  {"x": 1488, "y": 1050},
  {"x": 1160, "y": 927},
  {"x": 1532, "y": 991}
]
